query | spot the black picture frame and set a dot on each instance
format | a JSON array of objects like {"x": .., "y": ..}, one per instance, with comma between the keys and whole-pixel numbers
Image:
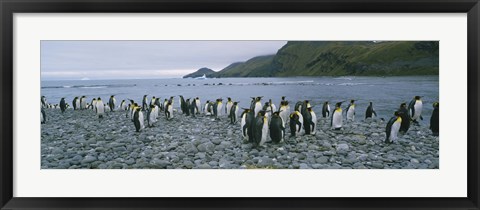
[{"x": 9, "y": 7}]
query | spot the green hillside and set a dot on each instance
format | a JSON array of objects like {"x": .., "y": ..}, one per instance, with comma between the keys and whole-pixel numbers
[{"x": 340, "y": 58}]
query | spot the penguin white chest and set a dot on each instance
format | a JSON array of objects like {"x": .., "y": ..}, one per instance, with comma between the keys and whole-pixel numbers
[
  {"x": 242, "y": 124},
  {"x": 229, "y": 107},
  {"x": 274, "y": 108},
  {"x": 284, "y": 114},
  {"x": 264, "y": 131},
  {"x": 100, "y": 107},
  {"x": 170, "y": 109},
  {"x": 351, "y": 113},
  {"x": 140, "y": 118},
  {"x": 337, "y": 119},
  {"x": 314, "y": 121},
  {"x": 258, "y": 107},
  {"x": 394, "y": 131},
  {"x": 219, "y": 109},
  {"x": 418, "y": 109}
]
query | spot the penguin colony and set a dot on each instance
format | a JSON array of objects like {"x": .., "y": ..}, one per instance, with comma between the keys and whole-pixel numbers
[{"x": 258, "y": 123}]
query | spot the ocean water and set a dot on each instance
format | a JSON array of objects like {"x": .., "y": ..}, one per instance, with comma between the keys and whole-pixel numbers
[{"x": 386, "y": 93}]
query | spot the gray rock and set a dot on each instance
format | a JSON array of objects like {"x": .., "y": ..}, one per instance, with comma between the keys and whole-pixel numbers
[
  {"x": 304, "y": 166},
  {"x": 264, "y": 162},
  {"x": 322, "y": 160},
  {"x": 89, "y": 159},
  {"x": 343, "y": 148},
  {"x": 204, "y": 166},
  {"x": 414, "y": 161}
]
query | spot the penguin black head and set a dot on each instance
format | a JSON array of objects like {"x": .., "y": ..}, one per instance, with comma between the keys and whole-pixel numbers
[
  {"x": 229, "y": 99},
  {"x": 267, "y": 104},
  {"x": 152, "y": 106},
  {"x": 112, "y": 96},
  {"x": 235, "y": 103},
  {"x": 326, "y": 102},
  {"x": 371, "y": 103},
  {"x": 397, "y": 113},
  {"x": 418, "y": 97},
  {"x": 135, "y": 104},
  {"x": 338, "y": 104},
  {"x": 283, "y": 98},
  {"x": 352, "y": 101},
  {"x": 261, "y": 113},
  {"x": 145, "y": 96},
  {"x": 404, "y": 105},
  {"x": 99, "y": 98},
  {"x": 208, "y": 101},
  {"x": 436, "y": 105},
  {"x": 276, "y": 113}
]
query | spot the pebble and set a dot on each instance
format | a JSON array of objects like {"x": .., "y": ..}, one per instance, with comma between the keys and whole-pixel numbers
[{"x": 217, "y": 144}]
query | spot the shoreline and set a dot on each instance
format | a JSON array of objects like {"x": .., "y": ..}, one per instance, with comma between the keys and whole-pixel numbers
[{"x": 79, "y": 140}]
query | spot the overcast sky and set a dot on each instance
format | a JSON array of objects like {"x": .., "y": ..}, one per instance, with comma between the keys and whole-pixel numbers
[{"x": 144, "y": 59}]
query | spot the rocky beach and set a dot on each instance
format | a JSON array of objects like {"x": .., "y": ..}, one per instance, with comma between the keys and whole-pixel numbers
[{"x": 79, "y": 140}]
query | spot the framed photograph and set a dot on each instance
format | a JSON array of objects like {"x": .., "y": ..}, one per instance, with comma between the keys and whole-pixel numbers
[{"x": 239, "y": 105}]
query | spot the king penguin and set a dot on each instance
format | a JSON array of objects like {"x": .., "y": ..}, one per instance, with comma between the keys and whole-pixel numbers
[
  {"x": 100, "y": 108},
  {"x": 74, "y": 103},
  {"x": 123, "y": 105},
  {"x": 245, "y": 125},
  {"x": 145, "y": 103},
  {"x": 138, "y": 119},
  {"x": 152, "y": 102},
  {"x": 260, "y": 130},
  {"x": 277, "y": 130},
  {"x": 351, "y": 111},
  {"x": 393, "y": 126},
  {"x": 228, "y": 106},
  {"x": 337, "y": 119},
  {"x": 183, "y": 105},
  {"x": 415, "y": 108},
  {"x": 257, "y": 105},
  {"x": 310, "y": 121},
  {"x": 44, "y": 102},
  {"x": 83, "y": 102},
  {"x": 43, "y": 116},
  {"x": 187, "y": 107},
  {"x": 207, "y": 108},
  {"x": 284, "y": 110},
  {"x": 434, "y": 120},
  {"x": 405, "y": 118},
  {"x": 295, "y": 123},
  {"x": 370, "y": 113},
  {"x": 169, "y": 111},
  {"x": 193, "y": 107},
  {"x": 326, "y": 110},
  {"x": 233, "y": 113},
  {"x": 63, "y": 105},
  {"x": 217, "y": 108},
  {"x": 112, "y": 103},
  {"x": 199, "y": 105},
  {"x": 272, "y": 106},
  {"x": 151, "y": 115}
]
